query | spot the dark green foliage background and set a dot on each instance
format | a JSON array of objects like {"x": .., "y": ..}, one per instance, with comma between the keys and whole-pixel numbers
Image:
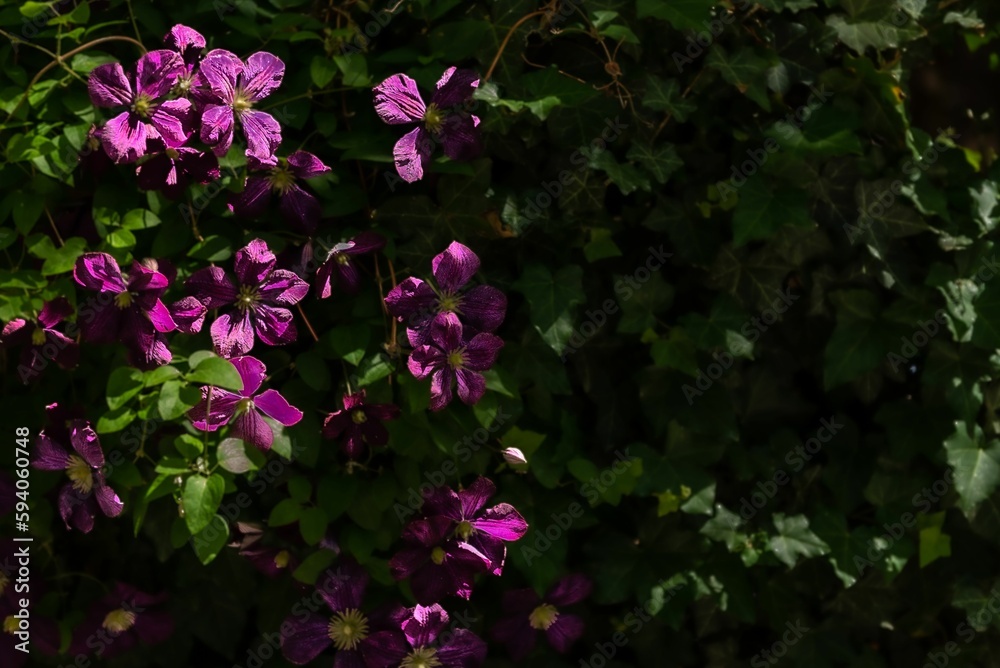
[{"x": 824, "y": 552}]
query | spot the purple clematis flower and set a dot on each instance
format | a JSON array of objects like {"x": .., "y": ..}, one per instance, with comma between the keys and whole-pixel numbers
[
  {"x": 244, "y": 409},
  {"x": 87, "y": 491},
  {"x": 148, "y": 116},
  {"x": 485, "y": 529},
  {"x": 437, "y": 563},
  {"x": 338, "y": 267},
  {"x": 416, "y": 643},
  {"x": 527, "y": 614},
  {"x": 398, "y": 102},
  {"x": 189, "y": 314},
  {"x": 299, "y": 208},
  {"x": 173, "y": 168},
  {"x": 41, "y": 341},
  {"x": 123, "y": 619},
  {"x": 348, "y": 629},
  {"x": 260, "y": 295},
  {"x": 418, "y": 303},
  {"x": 450, "y": 358},
  {"x": 359, "y": 424},
  {"x": 188, "y": 43},
  {"x": 231, "y": 89},
  {"x": 130, "y": 309}
]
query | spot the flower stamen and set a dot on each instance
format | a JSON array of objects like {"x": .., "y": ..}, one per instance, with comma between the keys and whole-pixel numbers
[
  {"x": 119, "y": 621},
  {"x": 421, "y": 657},
  {"x": 347, "y": 629},
  {"x": 80, "y": 473},
  {"x": 543, "y": 617}
]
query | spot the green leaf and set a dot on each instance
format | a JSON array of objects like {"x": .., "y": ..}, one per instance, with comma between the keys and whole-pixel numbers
[
  {"x": 311, "y": 567},
  {"x": 665, "y": 95},
  {"x": 346, "y": 342},
  {"x": 140, "y": 219},
  {"x": 934, "y": 543},
  {"x": 976, "y": 464},
  {"x": 682, "y": 14},
  {"x": 795, "y": 540},
  {"x": 286, "y": 512},
  {"x": 115, "y": 420},
  {"x": 660, "y": 161},
  {"x": 123, "y": 384},
  {"x": 208, "y": 542},
  {"x": 201, "y": 497},
  {"x": 765, "y": 207},
  {"x": 232, "y": 456},
  {"x": 213, "y": 249},
  {"x": 552, "y": 299},
  {"x": 322, "y": 70},
  {"x": 313, "y": 524},
  {"x": 217, "y": 372},
  {"x": 176, "y": 399}
]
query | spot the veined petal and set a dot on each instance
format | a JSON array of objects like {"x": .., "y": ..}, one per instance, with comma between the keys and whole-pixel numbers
[
  {"x": 54, "y": 311},
  {"x": 455, "y": 87},
  {"x": 459, "y": 137},
  {"x": 174, "y": 120},
  {"x": 283, "y": 287},
  {"x": 411, "y": 297},
  {"x": 274, "y": 406},
  {"x": 301, "y": 209},
  {"x": 212, "y": 287},
  {"x": 306, "y": 638},
  {"x": 99, "y": 271},
  {"x": 263, "y": 134},
  {"x": 157, "y": 72},
  {"x": 502, "y": 521},
  {"x": 424, "y": 360},
  {"x": 189, "y": 314},
  {"x": 186, "y": 41},
  {"x": 481, "y": 351},
  {"x": 441, "y": 392},
  {"x": 474, "y": 497},
  {"x": 253, "y": 201},
  {"x": 411, "y": 153},
  {"x": 344, "y": 589},
  {"x": 49, "y": 455},
  {"x": 365, "y": 242},
  {"x": 210, "y": 417},
  {"x": 217, "y": 124},
  {"x": 219, "y": 71},
  {"x": 385, "y": 649},
  {"x": 446, "y": 331},
  {"x": 454, "y": 267},
  {"x": 305, "y": 165},
  {"x": 262, "y": 73},
  {"x": 108, "y": 86},
  {"x": 232, "y": 333},
  {"x": 253, "y": 262},
  {"x": 124, "y": 137},
  {"x": 471, "y": 386},
  {"x": 160, "y": 316},
  {"x": 425, "y": 624},
  {"x": 566, "y": 630},
  {"x": 484, "y": 307},
  {"x": 274, "y": 325},
  {"x": 101, "y": 323},
  {"x": 252, "y": 371},
  {"x": 107, "y": 499},
  {"x": 571, "y": 589},
  {"x": 84, "y": 440},
  {"x": 250, "y": 427},
  {"x": 147, "y": 348},
  {"x": 464, "y": 648},
  {"x": 397, "y": 100}
]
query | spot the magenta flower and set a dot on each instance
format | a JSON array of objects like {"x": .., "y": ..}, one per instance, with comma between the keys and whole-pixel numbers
[
  {"x": 87, "y": 491},
  {"x": 299, "y": 208},
  {"x": 348, "y": 629},
  {"x": 131, "y": 310},
  {"x": 338, "y": 267},
  {"x": 189, "y": 314},
  {"x": 484, "y": 529},
  {"x": 124, "y": 618},
  {"x": 417, "y": 302},
  {"x": 437, "y": 563},
  {"x": 231, "y": 89},
  {"x": 450, "y": 358},
  {"x": 173, "y": 168},
  {"x": 359, "y": 424},
  {"x": 527, "y": 614},
  {"x": 244, "y": 408},
  {"x": 125, "y": 137},
  {"x": 416, "y": 643},
  {"x": 40, "y": 339},
  {"x": 444, "y": 121},
  {"x": 260, "y": 294},
  {"x": 188, "y": 43}
]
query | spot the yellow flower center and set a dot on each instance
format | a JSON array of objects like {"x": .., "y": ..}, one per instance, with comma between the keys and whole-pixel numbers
[
  {"x": 433, "y": 118},
  {"x": 183, "y": 86},
  {"x": 142, "y": 105},
  {"x": 455, "y": 359},
  {"x": 246, "y": 297},
  {"x": 437, "y": 555},
  {"x": 241, "y": 101},
  {"x": 172, "y": 153},
  {"x": 421, "y": 657},
  {"x": 38, "y": 336},
  {"x": 119, "y": 621},
  {"x": 243, "y": 405},
  {"x": 80, "y": 474},
  {"x": 464, "y": 530},
  {"x": 281, "y": 177},
  {"x": 359, "y": 417},
  {"x": 449, "y": 304},
  {"x": 123, "y": 299},
  {"x": 281, "y": 559},
  {"x": 347, "y": 629},
  {"x": 543, "y": 617},
  {"x": 10, "y": 625}
]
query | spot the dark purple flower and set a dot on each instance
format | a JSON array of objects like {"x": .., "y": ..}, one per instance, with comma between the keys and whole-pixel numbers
[
  {"x": 86, "y": 492},
  {"x": 437, "y": 563},
  {"x": 131, "y": 310},
  {"x": 125, "y": 136},
  {"x": 449, "y": 358},
  {"x": 348, "y": 629},
  {"x": 188, "y": 43},
  {"x": 359, "y": 424},
  {"x": 417, "y": 302},
  {"x": 416, "y": 644},
  {"x": 527, "y": 614},
  {"x": 485, "y": 529},
  {"x": 338, "y": 267},
  {"x": 260, "y": 294},
  {"x": 244, "y": 408},
  {"x": 299, "y": 208},
  {"x": 41, "y": 341},
  {"x": 189, "y": 314},
  {"x": 231, "y": 89},
  {"x": 121, "y": 620},
  {"x": 398, "y": 102},
  {"x": 173, "y": 168}
]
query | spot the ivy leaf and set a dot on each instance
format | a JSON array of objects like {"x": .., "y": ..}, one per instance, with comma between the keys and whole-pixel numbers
[
  {"x": 552, "y": 298},
  {"x": 660, "y": 162},
  {"x": 795, "y": 540},
  {"x": 682, "y": 14},
  {"x": 934, "y": 543},
  {"x": 976, "y": 465},
  {"x": 202, "y": 496},
  {"x": 765, "y": 207},
  {"x": 666, "y": 96}
]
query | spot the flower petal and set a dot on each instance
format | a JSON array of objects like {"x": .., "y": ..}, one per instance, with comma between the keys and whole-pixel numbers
[
  {"x": 186, "y": 41},
  {"x": 459, "y": 137},
  {"x": 252, "y": 372},
  {"x": 274, "y": 406},
  {"x": 262, "y": 73},
  {"x": 84, "y": 440},
  {"x": 471, "y": 386},
  {"x": 17, "y": 332},
  {"x": 411, "y": 153},
  {"x": 174, "y": 120},
  {"x": 474, "y": 497},
  {"x": 385, "y": 649},
  {"x": 454, "y": 267},
  {"x": 222, "y": 407},
  {"x": 344, "y": 588},
  {"x": 99, "y": 271},
  {"x": 441, "y": 392},
  {"x": 274, "y": 326},
  {"x": 219, "y": 70},
  {"x": 253, "y": 201},
  {"x": 100, "y": 322},
  {"x": 424, "y": 361},
  {"x": 250, "y": 427},
  {"x": 233, "y": 333},
  {"x": 305, "y": 639},
  {"x": 305, "y": 165},
  {"x": 49, "y": 455},
  {"x": 124, "y": 137},
  {"x": 147, "y": 348},
  {"x": 283, "y": 287},
  {"x": 108, "y": 86},
  {"x": 455, "y": 87},
  {"x": 157, "y": 72},
  {"x": 212, "y": 287},
  {"x": 484, "y": 307},
  {"x": 412, "y": 299},
  {"x": 301, "y": 209},
  {"x": 571, "y": 589},
  {"x": 160, "y": 316},
  {"x": 217, "y": 124},
  {"x": 397, "y": 100},
  {"x": 426, "y": 622},
  {"x": 253, "y": 262},
  {"x": 263, "y": 134},
  {"x": 502, "y": 521},
  {"x": 189, "y": 314},
  {"x": 566, "y": 630},
  {"x": 75, "y": 510},
  {"x": 54, "y": 311},
  {"x": 481, "y": 351},
  {"x": 446, "y": 332},
  {"x": 464, "y": 648},
  {"x": 107, "y": 499}
]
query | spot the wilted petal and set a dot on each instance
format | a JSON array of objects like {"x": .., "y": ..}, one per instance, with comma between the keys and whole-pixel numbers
[
  {"x": 108, "y": 86},
  {"x": 305, "y": 165},
  {"x": 233, "y": 333},
  {"x": 252, "y": 372},
  {"x": 454, "y": 267},
  {"x": 219, "y": 71},
  {"x": 99, "y": 271},
  {"x": 157, "y": 72},
  {"x": 263, "y": 134},
  {"x": 455, "y": 87},
  {"x": 174, "y": 120},
  {"x": 253, "y": 262},
  {"x": 411, "y": 153},
  {"x": 397, "y": 100},
  {"x": 274, "y": 406},
  {"x": 124, "y": 137},
  {"x": 253, "y": 201},
  {"x": 212, "y": 287},
  {"x": 217, "y": 128},
  {"x": 250, "y": 427},
  {"x": 459, "y": 137},
  {"x": 274, "y": 326},
  {"x": 306, "y": 638},
  {"x": 262, "y": 73}
]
